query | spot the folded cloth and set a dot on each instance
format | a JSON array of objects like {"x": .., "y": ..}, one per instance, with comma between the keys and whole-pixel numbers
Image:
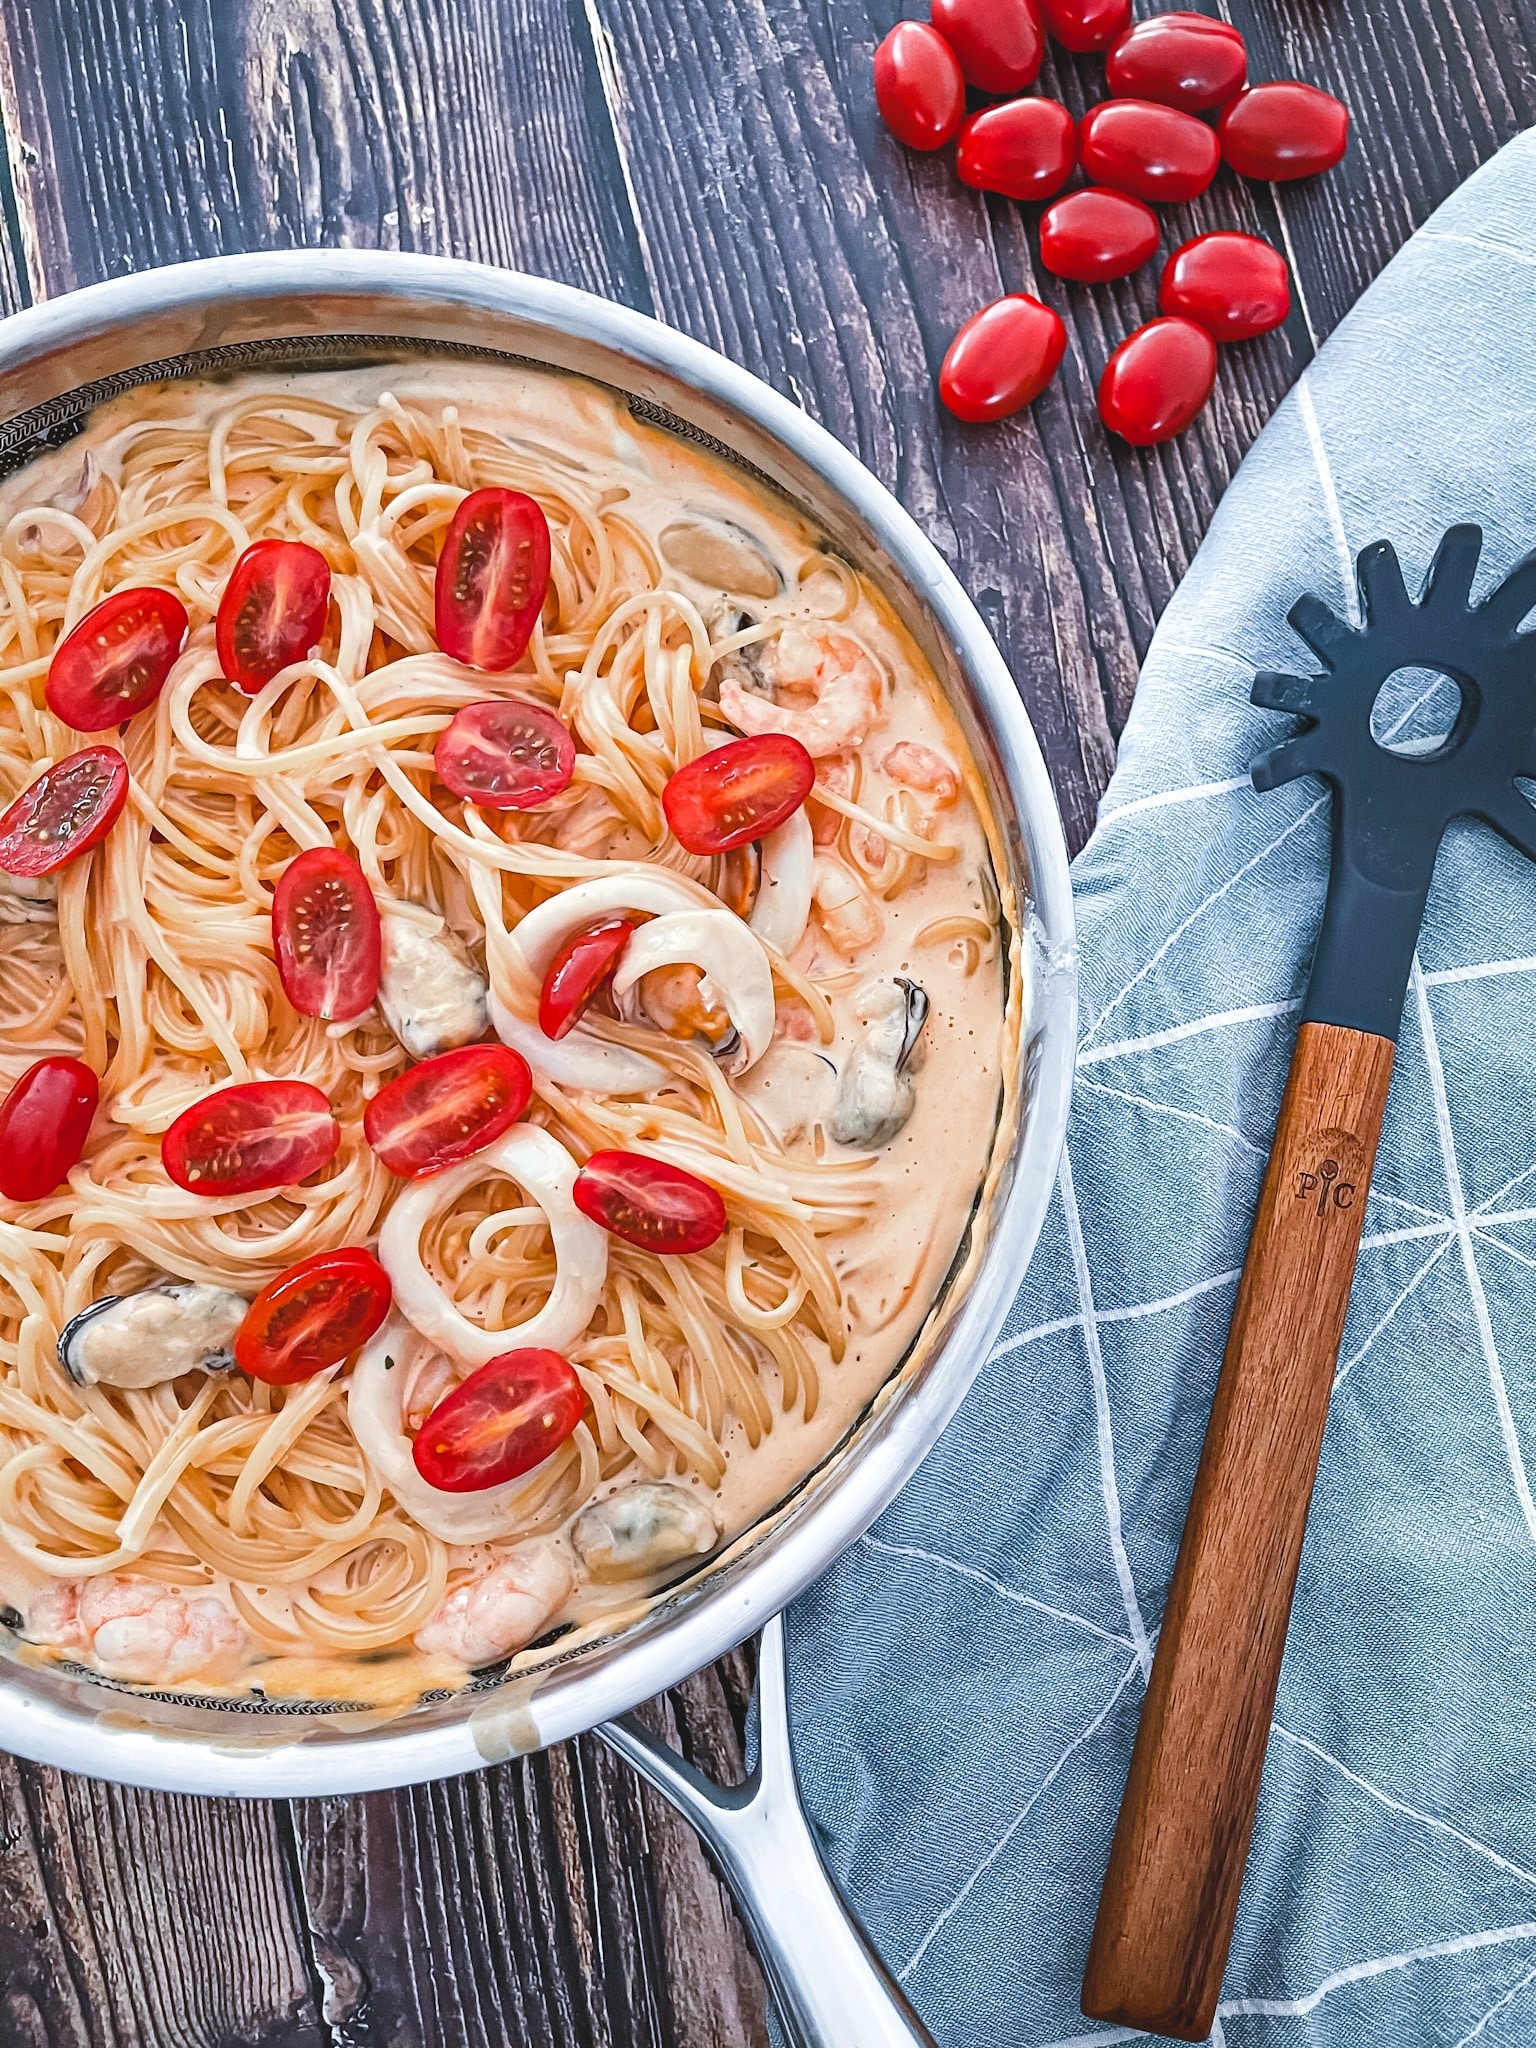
[{"x": 966, "y": 1682}]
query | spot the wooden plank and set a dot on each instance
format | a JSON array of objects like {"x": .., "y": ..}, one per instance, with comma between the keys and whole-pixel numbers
[
  {"x": 785, "y": 226},
  {"x": 545, "y": 1902},
  {"x": 152, "y": 131},
  {"x": 1435, "y": 88},
  {"x": 129, "y": 1918}
]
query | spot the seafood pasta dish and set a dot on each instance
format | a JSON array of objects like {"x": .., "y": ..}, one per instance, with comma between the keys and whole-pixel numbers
[{"x": 506, "y": 1017}]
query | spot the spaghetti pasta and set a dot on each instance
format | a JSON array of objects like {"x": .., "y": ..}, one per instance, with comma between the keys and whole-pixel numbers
[{"x": 725, "y": 1374}]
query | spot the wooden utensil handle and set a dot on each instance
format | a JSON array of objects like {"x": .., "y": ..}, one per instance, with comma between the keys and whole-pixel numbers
[{"x": 1170, "y": 1895}]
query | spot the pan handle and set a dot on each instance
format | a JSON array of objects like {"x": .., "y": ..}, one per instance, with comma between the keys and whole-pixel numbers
[{"x": 830, "y": 1987}]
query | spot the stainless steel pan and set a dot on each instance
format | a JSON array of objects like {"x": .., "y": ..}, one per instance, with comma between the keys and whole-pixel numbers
[{"x": 313, "y": 307}]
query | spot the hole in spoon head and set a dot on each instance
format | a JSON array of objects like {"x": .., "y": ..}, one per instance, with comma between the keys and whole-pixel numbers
[{"x": 1415, "y": 711}]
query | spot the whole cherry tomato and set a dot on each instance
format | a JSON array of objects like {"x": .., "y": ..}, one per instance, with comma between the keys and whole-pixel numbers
[
  {"x": 1154, "y": 152},
  {"x": 314, "y": 1315},
  {"x": 1000, "y": 43},
  {"x": 44, "y": 1123},
  {"x": 1284, "y": 130},
  {"x": 1002, "y": 358},
  {"x": 1156, "y": 382},
  {"x": 492, "y": 578},
  {"x": 255, "y": 1135},
  {"x": 1026, "y": 149},
  {"x": 70, "y": 808},
  {"x": 738, "y": 792},
  {"x": 918, "y": 86},
  {"x": 273, "y": 611},
  {"x": 1095, "y": 234},
  {"x": 500, "y": 1422},
  {"x": 447, "y": 1109},
  {"x": 505, "y": 755},
  {"x": 578, "y": 971},
  {"x": 1233, "y": 286},
  {"x": 115, "y": 662},
  {"x": 325, "y": 933},
  {"x": 1086, "y": 24},
  {"x": 1187, "y": 61},
  {"x": 658, "y": 1207}
]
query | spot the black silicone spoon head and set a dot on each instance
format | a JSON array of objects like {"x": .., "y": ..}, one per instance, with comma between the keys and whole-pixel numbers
[{"x": 1391, "y": 809}]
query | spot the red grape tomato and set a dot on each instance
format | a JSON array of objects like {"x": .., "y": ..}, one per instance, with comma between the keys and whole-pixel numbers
[
  {"x": 313, "y": 1316},
  {"x": 447, "y": 1109},
  {"x": 658, "y": 1207},
  {"x": 1150, "y": 151},
  {"x": 1002, "y": 359},
  {"x": 578, "y": 971},
  {"x": 1157, "y": 381},
  {"x": 1284, "y": 130},
  {"x": 738, "y": 792},
  {"x": 1095, "y": 234},
  {"x": 273, "y": 611},
  {"x": 115, "y": 662},
  {"x": 1000, "y": 43},
  {"x": 500, "y": 1422},
  {"x": 44, "y": 1123},
  {"x": 70, "y": 808},
  {"x": 918, "y": 86},
  {"x": 252, "y": 1136},
  {"x": 492, "y": 578},
  {"x": 1025, "y": 150},
  {"x": 1084, "y": 25},
  {"x": 505, "y": 754},
  {"x": 325, "y": 932},
  {"x": 1234, "y": 286},
  {"x": 1188, "y": 61}
]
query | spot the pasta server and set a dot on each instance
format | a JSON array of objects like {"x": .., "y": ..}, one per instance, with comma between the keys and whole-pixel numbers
[
  {"x": 830, "y": 1988},
  {"x": 1170, "y": 1896}
]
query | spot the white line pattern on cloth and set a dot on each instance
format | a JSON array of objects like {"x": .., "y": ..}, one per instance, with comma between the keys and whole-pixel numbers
[{"x": 1109, "y": 1481}]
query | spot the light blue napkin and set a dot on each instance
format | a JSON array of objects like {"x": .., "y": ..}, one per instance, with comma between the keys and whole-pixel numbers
[{"x": 966, "y": 1682}]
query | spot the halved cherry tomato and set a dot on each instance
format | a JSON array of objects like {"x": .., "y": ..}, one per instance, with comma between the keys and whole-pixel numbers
[
  {"x": 1086, "y": 24},
  {"x": 500, "y": 1422},
  {"x": 447, "y": 1109},
  {"x": 115, "y": 662},
  {"x": 257, "y": 1134},
  {"x": 1002, "y": 358},
  {"x": 1026, "y": 149},
  {"x": 738, "y": 792},
  {"x": 1000, "y": 43},
  {"x": 1188, "y": 61},
  {"x": 314, "y": 1315},
  {"x": 273, "y": 611},
  {"x": 505, "y": 754},
  {"x": 492, "y": 578},
  {"x": 44, "y": 1123},
  {"x": 578, "y": 971},
  {"x": 325, "y": 933},
  {"x": 1234, "y": 286},
  {"x": 1284, "y": 130},
  {"x": 70, "y": 808},
  {"x": 1157, "y": 380},
  {"x": 1096, "y": 234},
  {"x": 646, "y": 1202},
  {"x": 1154, "y": 152},
  {"x": 918, "y": 86}
]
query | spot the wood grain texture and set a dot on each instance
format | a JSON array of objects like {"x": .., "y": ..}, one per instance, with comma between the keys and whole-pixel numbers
[
  {"x": 718, "y": 162},
  {"x": 1176, "y": 1867}
]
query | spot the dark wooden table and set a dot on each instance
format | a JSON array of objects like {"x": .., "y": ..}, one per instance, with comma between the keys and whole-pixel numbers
[{"x": 717, "y": 163}]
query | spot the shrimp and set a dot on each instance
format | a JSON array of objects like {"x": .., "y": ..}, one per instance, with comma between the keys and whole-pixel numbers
[
  {"x": 850, "y": 916},
  {"x": 826, "y": 692},
  {"x": 921, "y": 768},
  {"x": 138, "y": 1629},
  {"x": 840, "y": 774},
  {"x": 488, "y": 1618}
]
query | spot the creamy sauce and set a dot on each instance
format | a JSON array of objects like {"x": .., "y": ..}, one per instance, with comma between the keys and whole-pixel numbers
[{"x": 733, "y": 548}]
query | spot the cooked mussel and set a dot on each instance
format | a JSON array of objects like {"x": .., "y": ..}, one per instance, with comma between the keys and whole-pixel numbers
[
  {"x": 641, "y": 1529},
  {"x": 143, "y": 1339},
  {"x": 876, "y": 1092}
]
